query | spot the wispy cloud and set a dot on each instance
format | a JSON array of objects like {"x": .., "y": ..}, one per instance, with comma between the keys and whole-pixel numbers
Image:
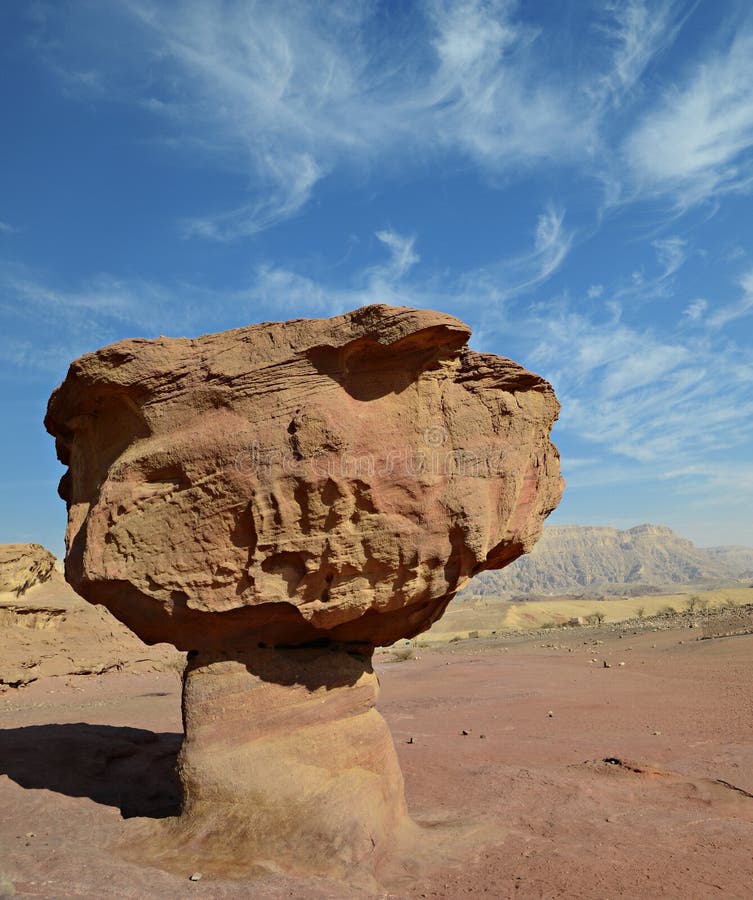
[
  {"x": 404, "y": 257},
  {"x": 696, "y": 309},
  {"x": 5, "y": 228},
  {"x": 671, "y": 254},
  {"x": 643, "y": 397},
  {"x": 383, "y": 282},
  {"x": 68, "y": 322},
  {"x": 734, "y": 311},
  {"x": 491, "y": 93},
  {"x": 290, "y": 182},
  {"x": 285, "y": 94},
  {"x": 486, "y": 289},
  {"x": 697, "y": 139},
  {"x": 638, "y": 32},
  {"x": 512, "y": 276}
]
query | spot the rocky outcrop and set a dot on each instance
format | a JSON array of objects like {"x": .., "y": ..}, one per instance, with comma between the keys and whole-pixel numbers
[
  {"x": 573, "y": 559},
  {"x": 312, "y": 487},
  {"x": 49, "y": 631},
  {"x": 22, "y": 566}
]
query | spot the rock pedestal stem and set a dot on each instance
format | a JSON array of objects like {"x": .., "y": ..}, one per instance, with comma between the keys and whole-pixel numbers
[{"x": 286, "y": 760}]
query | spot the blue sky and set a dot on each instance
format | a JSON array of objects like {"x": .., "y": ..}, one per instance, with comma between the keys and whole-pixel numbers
[{"x": 573, "y": 179}]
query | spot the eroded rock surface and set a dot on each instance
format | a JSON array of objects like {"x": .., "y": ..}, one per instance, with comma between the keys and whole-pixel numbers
[
  {"x": 306, "y": 487},
  {"x": 338, "y": 477},
  {"x": 47, "y": 630},
  {"x": 22, "y": 566}
]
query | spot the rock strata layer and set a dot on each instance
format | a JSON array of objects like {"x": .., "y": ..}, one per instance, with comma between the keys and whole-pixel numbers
[{"x": 318, "y": 486}]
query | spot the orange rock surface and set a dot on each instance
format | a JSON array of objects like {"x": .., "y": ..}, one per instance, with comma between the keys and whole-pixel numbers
[{"x": 339, "y": 477}]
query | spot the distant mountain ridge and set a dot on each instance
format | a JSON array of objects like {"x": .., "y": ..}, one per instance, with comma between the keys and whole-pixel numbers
[{"x": 583, "y": 559}]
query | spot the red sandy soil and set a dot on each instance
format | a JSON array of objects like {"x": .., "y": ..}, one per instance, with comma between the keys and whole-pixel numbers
[{"x": 670, "y": 816}]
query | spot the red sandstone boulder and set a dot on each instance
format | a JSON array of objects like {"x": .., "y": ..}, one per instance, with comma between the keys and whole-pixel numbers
[{"x": 339, "y": 477}]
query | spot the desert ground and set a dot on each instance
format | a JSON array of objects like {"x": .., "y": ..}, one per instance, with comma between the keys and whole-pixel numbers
[{"x": 535, "y": 769}]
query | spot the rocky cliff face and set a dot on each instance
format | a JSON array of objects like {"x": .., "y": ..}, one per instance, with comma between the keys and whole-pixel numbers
[
  {"x": 736, "y": 560},
  {"x": 574, "y": 559}
]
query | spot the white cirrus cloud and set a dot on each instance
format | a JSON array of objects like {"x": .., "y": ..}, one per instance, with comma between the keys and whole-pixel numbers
[
  {"x": 670, "y": 253},
  {"x": 648, "y": 398},
  {"x": 697, "y": 139},
  {"x": 404, "y": 257},
  {"x": 733, "y": 311},
  {"x": 283, "y": 94},
  {"x": 695, "y": 309},
  {"x": 638, "y": 32},
  {"x": 512, "y": 276}
]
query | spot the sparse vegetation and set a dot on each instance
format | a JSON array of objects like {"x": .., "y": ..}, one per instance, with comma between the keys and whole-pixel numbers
[
  {"x": 595, "y": 618},
  {"x": 502, "y": 616},
  {"x": 401, "y": 654}
]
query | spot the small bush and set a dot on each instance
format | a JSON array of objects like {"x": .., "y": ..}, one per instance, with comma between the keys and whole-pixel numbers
[
  {"x": 640, "y": 612},
  {"x": 692, "y": 602},
  {"x": 400, "y": 654}
]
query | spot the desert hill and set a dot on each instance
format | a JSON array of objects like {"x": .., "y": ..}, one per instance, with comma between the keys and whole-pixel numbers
[
  {"x": 47, "y": 629},
  {"x": 576, "y": 559}
]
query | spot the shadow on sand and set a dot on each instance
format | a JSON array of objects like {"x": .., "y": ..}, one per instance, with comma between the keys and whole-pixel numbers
[{"x": 129, "y": 768}]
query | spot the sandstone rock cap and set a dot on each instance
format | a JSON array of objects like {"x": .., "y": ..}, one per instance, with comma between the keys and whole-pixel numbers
[{"x": 292, "y": 481}]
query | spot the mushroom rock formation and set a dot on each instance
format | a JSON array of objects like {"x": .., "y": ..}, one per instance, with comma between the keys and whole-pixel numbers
[{"x": 278, "y": 500}]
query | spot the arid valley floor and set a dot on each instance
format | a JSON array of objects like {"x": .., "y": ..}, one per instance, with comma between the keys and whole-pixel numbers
[{"x": 537, "y": 770}]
